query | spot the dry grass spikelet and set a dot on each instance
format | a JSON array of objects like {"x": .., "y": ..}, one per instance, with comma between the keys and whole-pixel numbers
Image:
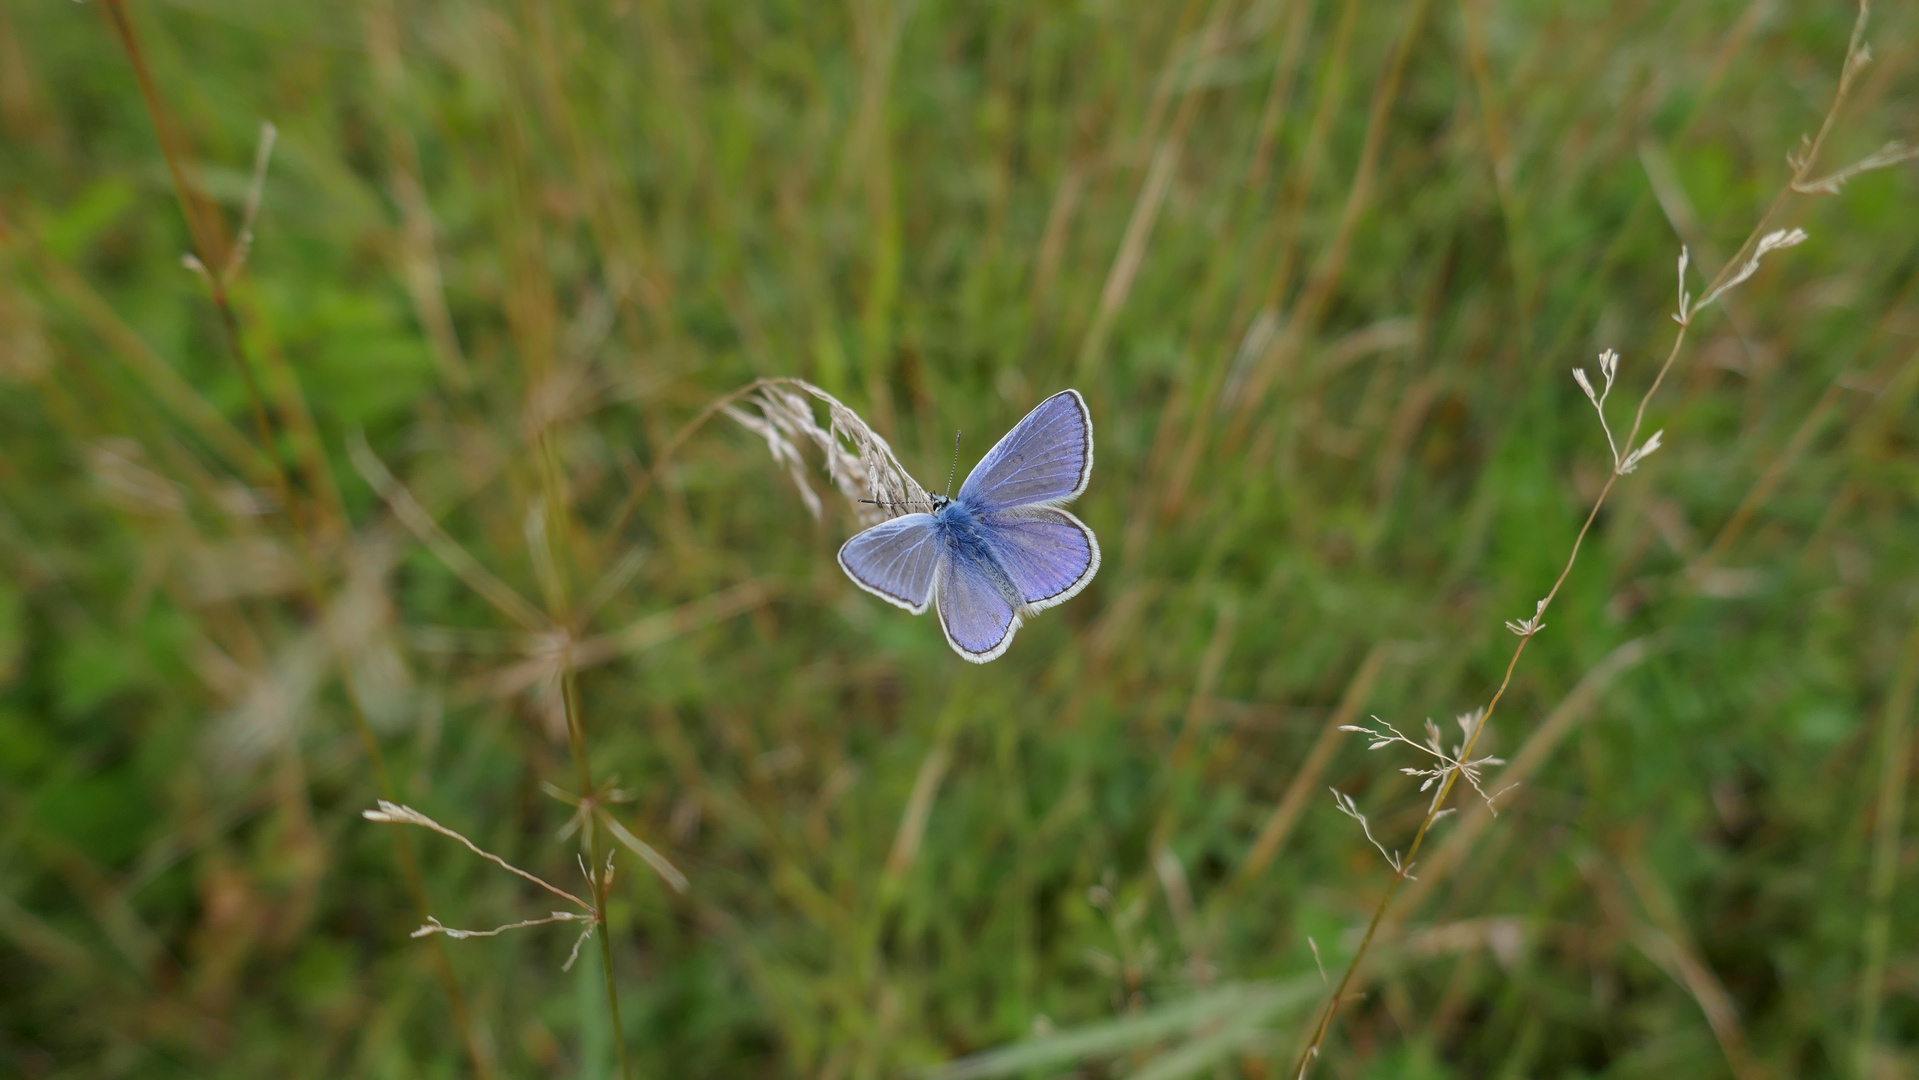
[{"x": 858, "y": 460}]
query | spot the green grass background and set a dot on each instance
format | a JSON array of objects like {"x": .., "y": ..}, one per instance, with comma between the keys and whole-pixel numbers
[{"x": 519, "y": 246}]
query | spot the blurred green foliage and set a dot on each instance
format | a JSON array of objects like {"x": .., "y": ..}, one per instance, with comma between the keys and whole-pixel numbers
[{"x": 1320, "y": 267}]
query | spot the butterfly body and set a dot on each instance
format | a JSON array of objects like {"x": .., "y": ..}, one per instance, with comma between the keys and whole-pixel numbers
[
  {"x": 963, "y": 532},
  {"x": 1002, "y": 549}
]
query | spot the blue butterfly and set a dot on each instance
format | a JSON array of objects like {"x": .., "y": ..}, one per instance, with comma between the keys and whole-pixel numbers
[{"x": 1003, "y": 549}]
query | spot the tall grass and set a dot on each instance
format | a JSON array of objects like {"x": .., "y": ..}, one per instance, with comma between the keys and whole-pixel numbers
[
  {"x": 415, "y": 502},
  {"x": 1628, "y": 451}
]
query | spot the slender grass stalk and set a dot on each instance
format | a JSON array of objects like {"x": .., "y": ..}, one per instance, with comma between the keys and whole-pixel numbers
[
  {"x": 1736, "y": 270},
  {"x": 598, "y": 878},
  {"x": 209, "y": 248},
  {"x": 1402, "y": 871},
  {"x": 416, "y": 879},
  {"x": 1151, "y": 197},
  {"x": 1446, "y": 786},
  {"x": 547, "y": 529},
  {"x": 1317, "y": 294},
  {"x": 560, "y": 617},
  {"x": 1889, "y": 808},
  {"x": 214, "y": 266},
  {"x": 646, "y": 483}
]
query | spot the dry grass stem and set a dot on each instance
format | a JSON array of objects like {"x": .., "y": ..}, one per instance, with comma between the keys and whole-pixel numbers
[
  {"x": 1885, "y": 157},
  {"x": 393, "y": 814},
  {"x": 1402, "y": 869},
  {"x": 434, "y": 926},
  {"x": 1626, "y": 456},
  {"x": 421, "y": 524},
  {"x": 1280, "y": 823}
]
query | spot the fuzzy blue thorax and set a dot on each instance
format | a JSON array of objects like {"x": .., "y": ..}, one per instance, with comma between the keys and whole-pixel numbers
[{"x": 963, "y": 531}]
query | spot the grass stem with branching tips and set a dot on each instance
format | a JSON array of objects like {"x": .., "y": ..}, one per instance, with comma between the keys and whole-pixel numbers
[{"x": 1627, "y": 453}]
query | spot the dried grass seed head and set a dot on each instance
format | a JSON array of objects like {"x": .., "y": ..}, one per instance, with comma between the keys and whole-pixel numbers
[
  {"x": 1773, "y": 241},
  {"x": 858, "y": 460}
]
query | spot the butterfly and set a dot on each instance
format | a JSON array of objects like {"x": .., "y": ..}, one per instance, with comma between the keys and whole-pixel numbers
[{"x": 1002, "y": 549}]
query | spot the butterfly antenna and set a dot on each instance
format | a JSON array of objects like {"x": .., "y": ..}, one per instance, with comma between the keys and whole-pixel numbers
[{"x": 955, "y": 472}]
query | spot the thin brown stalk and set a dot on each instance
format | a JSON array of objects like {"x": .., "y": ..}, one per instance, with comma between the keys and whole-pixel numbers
[
  {"x": 215, "y": 262},
  {"x": 209, "y": 245},
  {"x": 1317, "y": 295},
  {"x": 509, "y": 602},
  {"x": 1734, "y": 271},
  {"x": 651, "y": 477},
  {"x": 1152, "y": 196},
  {"x": 1279, "y": 825},
  {"x": 405, "y": 815},
  {"x": 547, "y": 526},
  {"x": 476, "y": 1053},
  {"x": 598, "y": 879},
  {"x": 1889, "y": 811},
  {"x": 1667, "y": 943},
  {"x": 1401, "y": 874}
]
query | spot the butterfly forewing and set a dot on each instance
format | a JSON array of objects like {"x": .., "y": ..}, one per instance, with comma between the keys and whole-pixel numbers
[
  {"x": 1047, "y": 458},
  {"x": 1049, "y": 554},
  {"x": 896, "y": 560}
]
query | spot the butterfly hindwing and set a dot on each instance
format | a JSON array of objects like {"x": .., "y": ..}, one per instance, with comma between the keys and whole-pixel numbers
[
  {"x": 1049, "y": 554},
  {"x": 975, "y": 612}
]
